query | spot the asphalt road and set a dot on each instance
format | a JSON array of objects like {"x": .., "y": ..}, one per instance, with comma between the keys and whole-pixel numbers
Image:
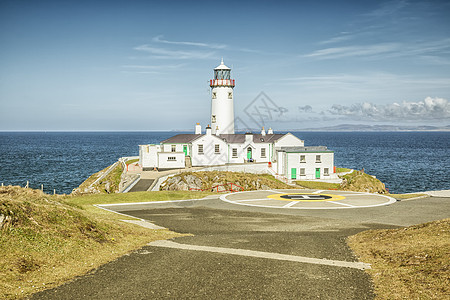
[{"x": 155, "y": 272}]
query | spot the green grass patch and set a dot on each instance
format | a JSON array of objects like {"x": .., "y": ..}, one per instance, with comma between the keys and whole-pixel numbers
[
  {"x": 342, "y": 170},
  {"x": 317, "y": 185},
  {"x": 406, "y": 196},
  {"x": 132, "y": 161},
  {"x": 407, "y": 263},
  {"x": 85, "y": 200}
]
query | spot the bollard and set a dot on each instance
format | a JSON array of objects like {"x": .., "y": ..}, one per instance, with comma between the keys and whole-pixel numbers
[
  {"x": 54, "y": 192},
  {"x": 42, "y": 187},
  {"x": 27, "y": 184}
]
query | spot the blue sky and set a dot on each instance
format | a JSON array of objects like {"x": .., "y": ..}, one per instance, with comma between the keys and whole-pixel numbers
[{"x": 144, "y": 65}]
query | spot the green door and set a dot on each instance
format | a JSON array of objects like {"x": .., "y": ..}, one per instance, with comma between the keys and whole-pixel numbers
[
  {"x": 249, "y": 153},
  {"x": 293, "y": 173},
  {"x": 317, "y": 173},
  {"x": 185, "y": 150}
]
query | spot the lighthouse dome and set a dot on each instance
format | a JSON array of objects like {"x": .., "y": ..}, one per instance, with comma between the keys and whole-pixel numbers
[{"x": 222, "y": 66}]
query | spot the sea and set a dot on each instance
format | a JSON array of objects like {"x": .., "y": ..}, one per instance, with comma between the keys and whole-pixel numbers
[{"x": 406, "y": 162}]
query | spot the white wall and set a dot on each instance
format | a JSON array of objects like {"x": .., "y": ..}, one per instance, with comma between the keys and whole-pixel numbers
[
  {"x": 165, "y": 163},
  {"x": 310, "y": 165},
  {"x": 209, "y": 157},
  {"x": 289, "y": 140},
  {"x": 148, "y": 156},
  {"x": 223, "y": 109}
]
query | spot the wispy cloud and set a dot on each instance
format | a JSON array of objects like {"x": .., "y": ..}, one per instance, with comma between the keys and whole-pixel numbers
[
  {"x": 352, "y": 51},
  {"x": 159, "y": 39},
  {"x": 165, "y": 53},
  {"x": 388, "y": 8},
  {"x": 337, "y": 39},
  {"x": 153, "y": 67},
  {"x": 385, "y": 50}
]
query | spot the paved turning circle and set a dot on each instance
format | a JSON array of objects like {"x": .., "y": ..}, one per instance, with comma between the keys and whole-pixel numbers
[{"x": 307, "y": 199}]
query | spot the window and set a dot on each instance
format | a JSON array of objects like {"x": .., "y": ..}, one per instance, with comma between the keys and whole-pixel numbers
[
  {"x": 263, "y": 152},
  {"x": 174, "y": 148},
  {"x": 214, "y": 95},
  {"x": 234, "y": 152},
  {"x": 317, "y": 158},
  {"x": 302, "y": 158},
  {"x": 213, "y": 119},
  {"x": 200, "y": 149},
  {"x": 326, "y": 172},
  {"x": 171, "y": 158},
  {"x": 230, "y": 95},
  {"x": 302, "y": 171},
  {"x": 217, "y": 148}
]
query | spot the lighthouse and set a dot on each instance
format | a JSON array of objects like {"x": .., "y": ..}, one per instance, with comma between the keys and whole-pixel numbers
[{"x": 222, "y": 107}]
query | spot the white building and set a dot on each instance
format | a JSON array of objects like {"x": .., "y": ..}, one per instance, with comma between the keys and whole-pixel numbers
[{"x": 220, "y": 145}]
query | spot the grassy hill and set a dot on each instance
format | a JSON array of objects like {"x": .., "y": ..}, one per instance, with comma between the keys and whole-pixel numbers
[
  {"x": 407, "y": 263},
  {"x": 46, "y": 240}
]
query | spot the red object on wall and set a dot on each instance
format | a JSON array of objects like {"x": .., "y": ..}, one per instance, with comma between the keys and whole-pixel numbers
[
  {"x": 334, "y": 169},
  {"x": 270, "y": 164}
]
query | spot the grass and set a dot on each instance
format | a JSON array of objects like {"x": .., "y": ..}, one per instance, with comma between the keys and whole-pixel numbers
[
  {"x": 406, "y": 196},
  {"x": 342, "y": 170},
  {"x": 87, "y": 200},
  {"x": 407, "y": 263},
  {"x": 46, "y": 240},
  {"x": 318, "y": 185},
  {"x": 132, "y": 161}
]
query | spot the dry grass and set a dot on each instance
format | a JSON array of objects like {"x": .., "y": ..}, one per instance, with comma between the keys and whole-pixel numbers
[
  {"x": 318, "y": 185},
  {"x": 408, "y": 263},
  {"x": 44, "y": 241},
  {"x": 406, "y": 196}
]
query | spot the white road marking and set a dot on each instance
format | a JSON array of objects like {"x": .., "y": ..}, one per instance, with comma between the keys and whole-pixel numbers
[
  {"x": 318, "y": 192},
  {"x": 276, "y": 192},
  {"x": 246, "y": 200},
  {"x": 260, "y": 254},
  {"x": 291, "y": 204},
  {"x": 344, "y": 204}
]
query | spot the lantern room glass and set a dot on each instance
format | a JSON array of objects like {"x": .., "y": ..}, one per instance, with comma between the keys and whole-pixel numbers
[{"x": 222, "y": 74}]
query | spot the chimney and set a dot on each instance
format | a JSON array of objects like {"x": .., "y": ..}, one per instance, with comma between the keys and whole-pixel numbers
[
  {"x": 248, "y": 137},
  {"x": 270, "y": 131},
  {"x": 263, "y": 132},
  {"x": 198, "y": 129},
  {"x": 217, "y": 130},
  {"x": 208, "y": 130}
]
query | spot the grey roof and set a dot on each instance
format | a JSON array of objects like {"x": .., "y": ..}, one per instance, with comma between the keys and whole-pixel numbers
[
  {"x": 257, "y": 138},
  {"x": 238, "y": 138},
  {"x": 181, "y": 138},
  {"x": 304, "y": 149}
]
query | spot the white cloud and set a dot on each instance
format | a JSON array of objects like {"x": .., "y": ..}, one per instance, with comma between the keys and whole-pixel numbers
[
  {"x": 174, "y": 54},
  {"x": 352, "y": 51},
  {"x": 159, "y": 39},
  {"x": 388, "y": 8},
  {"x": 428, "y": 109}
]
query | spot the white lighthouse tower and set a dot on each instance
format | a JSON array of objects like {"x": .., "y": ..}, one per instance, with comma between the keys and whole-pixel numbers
[{"x": 222, "y": 107}]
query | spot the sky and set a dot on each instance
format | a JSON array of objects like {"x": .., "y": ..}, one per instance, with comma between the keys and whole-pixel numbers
[{"x": 145, "y": 65}]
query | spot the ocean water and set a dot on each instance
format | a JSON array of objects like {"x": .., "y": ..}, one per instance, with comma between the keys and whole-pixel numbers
[{"x": 404, "y": 161}]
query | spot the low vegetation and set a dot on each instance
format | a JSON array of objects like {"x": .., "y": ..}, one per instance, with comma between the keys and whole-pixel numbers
[
  {"x": 318, "y": 185},
  {"x": 46, "y": 240},
  {"x": 109, "y": 184},
  {"x": 132, "y": 161},
  {"x": 356, "y": 181},
  {"x": 342, "y": 170},
  {"x": 407, "y": 263},
  {"x": 221, "y": 181},
  {"x": 407, "y": 196}
]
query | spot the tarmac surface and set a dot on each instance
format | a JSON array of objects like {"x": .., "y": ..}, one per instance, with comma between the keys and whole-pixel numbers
[{"x": 247, "y": 252}]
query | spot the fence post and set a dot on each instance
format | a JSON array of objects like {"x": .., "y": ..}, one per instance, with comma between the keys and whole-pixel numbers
[
  {"x": 42, "y": 187},
  {"x": 54, "y": 191}
]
